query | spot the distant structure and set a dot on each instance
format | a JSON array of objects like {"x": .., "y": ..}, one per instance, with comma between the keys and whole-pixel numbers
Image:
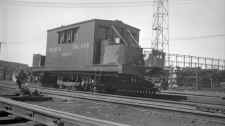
[
  {"x": 155, "y": 57},
  {"x": 160, "y": 26},
  {"x": 184, "y": 70},
  {"x": 7, "y": 69}
]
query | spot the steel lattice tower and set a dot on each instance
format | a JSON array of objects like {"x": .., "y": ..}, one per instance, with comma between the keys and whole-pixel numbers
[{"x": 160, "y": 26}]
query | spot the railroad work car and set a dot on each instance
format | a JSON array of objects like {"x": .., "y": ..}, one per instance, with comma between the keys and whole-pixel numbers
[{"x": 101, "y": 55}]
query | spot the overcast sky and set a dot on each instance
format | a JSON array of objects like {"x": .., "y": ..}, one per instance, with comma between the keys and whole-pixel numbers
[{"x": 197, "y": 27}]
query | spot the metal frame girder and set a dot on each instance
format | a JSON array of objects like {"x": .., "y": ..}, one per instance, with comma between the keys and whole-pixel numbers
[
  {"x": 135, "y": 42},
  {"x": 119, "y": 35}
]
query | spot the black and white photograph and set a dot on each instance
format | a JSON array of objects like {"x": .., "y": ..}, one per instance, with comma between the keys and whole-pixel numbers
[{"x": 112, "y": 62}]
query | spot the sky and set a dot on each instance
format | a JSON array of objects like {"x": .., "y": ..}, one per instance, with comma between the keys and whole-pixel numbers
[{"x": 196, "y": 27}]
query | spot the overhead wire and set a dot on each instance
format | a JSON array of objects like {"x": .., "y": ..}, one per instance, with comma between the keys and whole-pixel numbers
[
  {"x": 200, "y": 37},
  {"x": 191, "y": 37},
  {"x": 92, "y": 4},
  {"x": 79, "y": 4}
]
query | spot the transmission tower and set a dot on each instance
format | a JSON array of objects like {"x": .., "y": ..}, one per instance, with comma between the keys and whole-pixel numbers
[{"x": 160, "y": 26}]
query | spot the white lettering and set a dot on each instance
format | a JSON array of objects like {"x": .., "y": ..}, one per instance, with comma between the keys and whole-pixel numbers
[
  {"x": 66, "y": 54},
  {"x": 80, "y": 46},
  {"x": 85, "y": 45},
  {"x": 75, "y": 46},
  {"x": 54, "y": 50}
]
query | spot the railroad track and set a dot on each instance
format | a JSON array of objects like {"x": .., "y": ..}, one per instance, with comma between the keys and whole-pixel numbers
[
  {"x": 214, "y": 108},
  {"x": 191, "y": 94},
  {"x": 184, "y": 107},
  {"x": 187, "y": 107},
  {"x": 50, "y": 117}
]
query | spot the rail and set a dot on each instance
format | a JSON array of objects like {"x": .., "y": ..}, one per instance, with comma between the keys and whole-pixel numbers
[
  {"x": 156, "y": 104},
  {"x": 193, "y": 94},
  {"x": 50, "y": 117},
  {"x": 135, "y": 102}
]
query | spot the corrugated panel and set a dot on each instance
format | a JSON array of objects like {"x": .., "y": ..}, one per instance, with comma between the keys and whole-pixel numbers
[
  {"x": 120, "y": 55},
  {"x": 113, "y": 54}
]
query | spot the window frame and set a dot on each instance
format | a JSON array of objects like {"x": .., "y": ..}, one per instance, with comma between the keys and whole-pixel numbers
[{"x": 68, "y": 35}]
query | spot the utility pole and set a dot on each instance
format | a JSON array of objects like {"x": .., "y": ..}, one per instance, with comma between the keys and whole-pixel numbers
[
  {"x": 1, "y": 48},
  {"x": 197, "y": 79},
  {"x": 160, "y": 26},
  {"x": 1, "y": 44}
]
